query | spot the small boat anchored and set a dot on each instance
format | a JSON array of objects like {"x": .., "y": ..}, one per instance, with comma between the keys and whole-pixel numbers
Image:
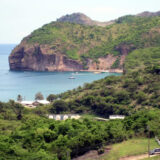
[{"x": 71, "y": 77}]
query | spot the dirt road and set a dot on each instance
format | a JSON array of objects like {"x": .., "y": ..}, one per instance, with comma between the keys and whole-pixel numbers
[{"x": 138, "y": 157}]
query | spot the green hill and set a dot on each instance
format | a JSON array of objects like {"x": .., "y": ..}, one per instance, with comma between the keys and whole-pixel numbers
[
  {"x": 137, "y": 89},
  {"x": 84, "y": 44},
  {"x": 99, "y": 41}
]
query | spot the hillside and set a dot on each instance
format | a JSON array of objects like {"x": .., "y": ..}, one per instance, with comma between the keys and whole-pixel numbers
[
  {"x": 75, "y": 42},
  {"x": 137, "y": 89},
  {"x": 28, "y": 134}
]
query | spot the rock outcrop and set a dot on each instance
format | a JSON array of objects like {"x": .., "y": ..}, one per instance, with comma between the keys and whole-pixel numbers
[
  {"x": 34, "y": 58},
  {"x": 80, "y": 18},
  {"x": 27, "y": 57}
]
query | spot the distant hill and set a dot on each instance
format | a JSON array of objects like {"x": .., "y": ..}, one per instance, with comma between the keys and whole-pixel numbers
[
  {"x": 148, "y": 14},
  {"x": 80, "y": 18}
]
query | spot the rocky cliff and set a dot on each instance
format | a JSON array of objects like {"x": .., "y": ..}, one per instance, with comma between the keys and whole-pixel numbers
[
  {"x": 75, "y": 42},
  {"x": 39, "y": 58}
]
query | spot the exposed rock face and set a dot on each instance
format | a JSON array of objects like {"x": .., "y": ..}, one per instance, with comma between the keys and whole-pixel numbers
[
  {"x": 34, "y": 58},
  {"x": 40, "y": 58},
  {"x": 80, "y": 18}
]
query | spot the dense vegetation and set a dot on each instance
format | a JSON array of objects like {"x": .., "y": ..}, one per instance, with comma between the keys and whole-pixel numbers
[
  {"x": 82, "y": 41},
  {"x": 31, "y": 135},
  {"x": 35, "y": 137}
]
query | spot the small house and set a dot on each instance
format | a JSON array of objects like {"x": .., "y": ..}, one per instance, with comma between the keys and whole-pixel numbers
[
  {"x": 38, "y": 102},
  {"x": 27, "y": 103},
  {"x": 63, "y": 116}
]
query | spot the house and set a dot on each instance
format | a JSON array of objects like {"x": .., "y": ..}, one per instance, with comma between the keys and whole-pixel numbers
[
  {"x": 50, "y": 116},
  {"x": 27, "y": 103},
  {"x": 63, "y": 116},
  {"x": 75, "y": 116},
  {"x": 43, "y": 102},
  {"x": 37, "y": 102},
  {"x": 116, "y": 117},
  {"x": 33, "y": 104},
  {"x": 57, "y": 117}
]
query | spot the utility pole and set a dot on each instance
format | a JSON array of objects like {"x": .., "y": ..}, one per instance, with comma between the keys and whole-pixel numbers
[
  {"x": 68, "y": 157},
  {"x": 148, "y": 141}
]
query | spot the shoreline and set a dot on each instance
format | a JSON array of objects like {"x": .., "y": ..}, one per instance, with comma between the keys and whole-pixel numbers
[
  {"x": 103, "y": 71},
  {"x": 95, "y": 71}
]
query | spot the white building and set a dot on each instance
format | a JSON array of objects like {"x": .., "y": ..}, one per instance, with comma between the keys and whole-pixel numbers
[
  {"x": 116, "y": 117},
  {"x": 50, "y": 116},
  {"x": 63, "y": 116},
  {"x": 75, "y": 116},
  {"x": 33, "y": 104},
  {"x": 26, "y": 102},
  {"x": 43, "y": 102}
]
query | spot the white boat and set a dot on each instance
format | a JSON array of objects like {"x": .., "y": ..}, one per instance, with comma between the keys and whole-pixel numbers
[{"x": 71, "y": 77}]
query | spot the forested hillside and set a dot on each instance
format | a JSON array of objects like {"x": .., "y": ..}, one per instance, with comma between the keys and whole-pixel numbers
[
  {"x": 69, "y": 46},
  {"x": 137, "y": 89},
  {"x": 32, "y": 137},
  {"x": 135, "y": 32}
]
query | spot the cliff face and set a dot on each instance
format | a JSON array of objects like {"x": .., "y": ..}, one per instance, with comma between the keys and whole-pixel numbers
[{"x": 35, "y": 58}]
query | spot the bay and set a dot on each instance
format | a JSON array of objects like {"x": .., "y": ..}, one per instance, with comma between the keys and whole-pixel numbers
[{"x": 28, "y": 83}]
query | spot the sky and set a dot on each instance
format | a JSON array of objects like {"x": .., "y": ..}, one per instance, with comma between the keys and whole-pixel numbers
[{"x": 20, "y": 17}]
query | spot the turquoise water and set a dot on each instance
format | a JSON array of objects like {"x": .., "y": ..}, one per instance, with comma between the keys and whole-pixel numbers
[{"x": 29, "y": 83}]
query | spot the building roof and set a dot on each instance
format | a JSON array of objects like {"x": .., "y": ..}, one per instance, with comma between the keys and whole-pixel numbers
[
  {"x": 26, "y": 102},
  {"x": 43, "y": 101},
  {"x": 116, "y": 116}
]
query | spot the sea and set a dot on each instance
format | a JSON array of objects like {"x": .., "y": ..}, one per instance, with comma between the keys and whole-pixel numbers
[{"x": 28, "y": 83}]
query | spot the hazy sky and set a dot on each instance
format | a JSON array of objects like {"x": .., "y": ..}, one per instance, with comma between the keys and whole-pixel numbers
[{"x": 20, "y": 17}]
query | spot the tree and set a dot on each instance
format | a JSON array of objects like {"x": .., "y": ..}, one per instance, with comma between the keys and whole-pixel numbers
[
  {"x": 19, "y": 98},
  {"x": 39, "y": 96},
  {"x": 51, "y": 97},
  {"x": 59, "y": 106}
]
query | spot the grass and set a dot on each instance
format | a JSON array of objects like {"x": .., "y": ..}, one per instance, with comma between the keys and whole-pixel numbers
[{"x": 129, "y": 148}]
